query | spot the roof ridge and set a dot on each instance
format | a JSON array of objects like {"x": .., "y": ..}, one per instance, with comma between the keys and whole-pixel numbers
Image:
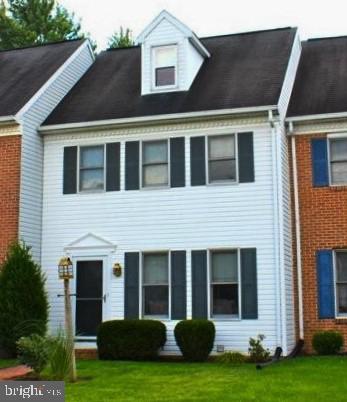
[
  {"x": 326, "y": 38},
  {"x": 248, "y": 32},
  {"x": 41, "y": 45},
  {"x": 112, "y": 49}
]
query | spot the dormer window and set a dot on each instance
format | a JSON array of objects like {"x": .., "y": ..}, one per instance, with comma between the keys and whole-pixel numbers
[{"x": 164, "y": 67}]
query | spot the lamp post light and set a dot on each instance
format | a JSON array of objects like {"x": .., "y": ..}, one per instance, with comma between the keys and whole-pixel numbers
[{"x": 65, "y": 270}]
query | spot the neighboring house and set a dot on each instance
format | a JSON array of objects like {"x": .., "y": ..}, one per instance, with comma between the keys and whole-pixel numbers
[
  {"x": 317, "y": 119},
  {"x": 170, "y": 158},
  {"x": 33, "y": 81}
]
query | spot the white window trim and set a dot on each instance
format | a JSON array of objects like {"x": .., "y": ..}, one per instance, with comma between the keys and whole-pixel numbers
[
  {"x": 207, "y": 159},
  {"x": 79, "y": 191},
  {"x": 330, "y": 138},
  {"x": 337, "y": 314},
  {"x": 141, "y": 292},
  {"x": 209, "y": 284},
  {"x": 163, "y": 88},
  {"x": 159, "y": 186}
]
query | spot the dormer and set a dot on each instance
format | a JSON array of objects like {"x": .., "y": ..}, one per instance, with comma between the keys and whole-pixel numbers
[{"x": 171, "y": 55}]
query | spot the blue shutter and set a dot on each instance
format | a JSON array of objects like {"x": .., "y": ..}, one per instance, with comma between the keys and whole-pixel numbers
[
  {"x": 245, "y": 157},
  {"x": 325, "y": 284},
  {"x": 320, "y": 171},
  {"x": 178, "y": 285},
  {"x": 199, "y": 284},
  {"x": 131, "y": 285}
]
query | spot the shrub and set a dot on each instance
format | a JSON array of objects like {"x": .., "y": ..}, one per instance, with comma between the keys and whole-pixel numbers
[
  {"x": 130, "y": 339},
  {"x": 257, "y": 352},
  {"x": 232, "y": 358},
  {"x": 34, "y": 351},
  {"x": 195, "y": 339},
  {"x": 327, "y": 342},
  {"x": 23, "y": 299},
  {"x": 60, "y": 357}
]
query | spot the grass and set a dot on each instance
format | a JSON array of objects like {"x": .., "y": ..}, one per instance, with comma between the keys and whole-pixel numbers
[
  {"x": 8, "y": 363},
  {"x": 302, "y": 379}
]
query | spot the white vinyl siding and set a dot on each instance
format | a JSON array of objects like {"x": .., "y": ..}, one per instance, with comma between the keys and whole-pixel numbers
[{"x": 187, "y": 218}]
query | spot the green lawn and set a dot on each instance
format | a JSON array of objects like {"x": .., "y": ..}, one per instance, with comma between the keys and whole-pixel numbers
[
  {"x": 303, "y": 379},
  {"x": 8, "y": 363}
]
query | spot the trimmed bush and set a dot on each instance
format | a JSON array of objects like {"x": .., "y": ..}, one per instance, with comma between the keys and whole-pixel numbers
[
  {"x": 23, "y": 299},
  {"x": 195, "y": 339},
  {"x": 232, "y": 358},
  {"x": 130, "y": 339},
  {"x": 327, "y": 342},
  {"x": 256, "y": 350},
  {"x": 34, "y": 351}
]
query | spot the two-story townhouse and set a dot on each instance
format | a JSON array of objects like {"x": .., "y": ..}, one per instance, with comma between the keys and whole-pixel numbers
[
  {"x": 317, "y": 120},
  {"x": 170, "y": 159},
  {"x": 33, "y": 81}
]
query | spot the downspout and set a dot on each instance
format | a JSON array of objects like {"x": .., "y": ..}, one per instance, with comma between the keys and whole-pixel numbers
[
  {"x": 297, "y": 233},
  {"x": 280, "y": 307}
]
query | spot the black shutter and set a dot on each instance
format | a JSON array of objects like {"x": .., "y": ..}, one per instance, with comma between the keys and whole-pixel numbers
[
  {"x": 199, "y": 284},
  {"x": 70, "y": 170},
  {"x": 197, "y": 161},
  {"x": 177, "y": 162},
  {"x": 113, "y": 166},
  {"x": 178, "y": 285},
  {"x": 131, "y": 285},
  {"x": 132, "y": 168},
  {"x": 249, "y": 293},
  {"x": 245, "y": 157}
]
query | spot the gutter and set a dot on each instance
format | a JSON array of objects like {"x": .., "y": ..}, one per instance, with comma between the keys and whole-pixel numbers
[
  {"x": 104, "y": 124},
  {"x": 8, "y": 119},
  {"x": 324, "y": 116}
]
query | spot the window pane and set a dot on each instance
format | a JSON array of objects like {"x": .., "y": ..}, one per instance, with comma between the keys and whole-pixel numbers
[
  {"x": 92, "y": 179},
  {"x": 342, "y": 298},
  {"x": 155, "y": 175},
  {"x": 338, "y": 149},
  {"x": 165, "y": 56},
  {"x": 156, "y": 300},
  {"x": 222, "y": 170},
  {"x": 155, "y": 152},
  {"x": 224, "y": 267},
  {"x": 164, "y": 76},
  {"x": 92, "y": 157},
  {"x": 225, "y": 299},
  {"x": 222, "y": 147},
  {"x": 155, "y": 269},
  {"x": 341, "y": 266},
  {"x": 339, "y": 172}
]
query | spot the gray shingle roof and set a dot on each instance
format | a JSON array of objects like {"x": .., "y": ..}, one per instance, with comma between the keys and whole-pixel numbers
[
  {"x": 321, "y": 80},
  {"x": 244, "y": 70},
  {"x": 24, "y": 71}
]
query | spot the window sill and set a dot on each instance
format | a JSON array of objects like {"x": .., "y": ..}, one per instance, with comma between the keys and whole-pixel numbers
[
  {"x": 342, "y": 320},
  {"x": 337, "y": 187},
  {"x": 223, "y": 183}
]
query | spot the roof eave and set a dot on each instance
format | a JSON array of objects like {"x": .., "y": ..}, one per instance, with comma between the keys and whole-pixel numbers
[
  {"x": 110, "y": 123},
  {"x": 8, "y": 119},
  {"x": 312, "y": 117}
]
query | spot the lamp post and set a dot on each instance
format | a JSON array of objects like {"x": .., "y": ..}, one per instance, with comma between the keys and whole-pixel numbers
[{"x": 65, "y": 270}]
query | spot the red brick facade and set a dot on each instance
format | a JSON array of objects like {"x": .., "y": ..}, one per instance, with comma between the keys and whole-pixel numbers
[
  {"x": 10, "y": 154},
  {"x": 323, "y": 218}
]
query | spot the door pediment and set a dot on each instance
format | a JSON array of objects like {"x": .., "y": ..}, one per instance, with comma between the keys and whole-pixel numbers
[{"x": 90, "y": 241}]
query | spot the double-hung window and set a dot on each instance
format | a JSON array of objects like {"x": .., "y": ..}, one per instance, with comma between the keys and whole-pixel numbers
[
  {"x": 341, "y": 282},
  {"x": 221, "y": 158},
  {"x": 224, "y": 283},
  {"x": 155, "y": 163},
  {"x": 155, "y": 284},
  {"x": 91, "y": 168},
  {"x": 338, "y": 161},
  {"x": 165, "y": 66}
]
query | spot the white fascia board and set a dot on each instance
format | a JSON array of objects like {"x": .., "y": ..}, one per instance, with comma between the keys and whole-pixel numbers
[
  {"x": 8, "y": 119},
  {"x": 324, "y": 116},
  {"x": 153, "y": 119},
  {"x": 48, "y": 83}
]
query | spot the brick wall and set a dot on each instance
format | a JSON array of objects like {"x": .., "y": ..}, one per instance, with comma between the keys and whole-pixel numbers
[
  {"x": 10, "y": 153},
  {"x": 323, "y": 216}
]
